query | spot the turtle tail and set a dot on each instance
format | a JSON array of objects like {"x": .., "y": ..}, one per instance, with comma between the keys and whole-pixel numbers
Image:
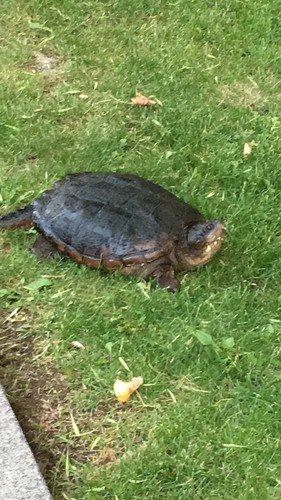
[{"x": 19, "y": 219}]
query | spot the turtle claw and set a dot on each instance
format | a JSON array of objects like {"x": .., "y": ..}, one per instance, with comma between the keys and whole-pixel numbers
[{"x": 172, "y": 285}]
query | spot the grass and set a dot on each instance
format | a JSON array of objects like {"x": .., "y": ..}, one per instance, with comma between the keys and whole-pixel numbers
[{"x": 206, "y": 424}]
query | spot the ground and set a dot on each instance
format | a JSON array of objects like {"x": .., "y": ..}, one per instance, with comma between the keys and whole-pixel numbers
[{"x": 206, "y": 422}]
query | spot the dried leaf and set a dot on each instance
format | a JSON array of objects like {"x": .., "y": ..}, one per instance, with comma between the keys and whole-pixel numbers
[
  {"x": 77, "y": 344},
  {"x": 141, "y": 100},
  {"x": 123, "y": 390},
  {"x": 247, "y": 149},
  {"x": 30, "y": 68}
]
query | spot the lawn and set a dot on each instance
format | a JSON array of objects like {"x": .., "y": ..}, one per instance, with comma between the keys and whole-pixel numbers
[{"x": 206, "y": 423}]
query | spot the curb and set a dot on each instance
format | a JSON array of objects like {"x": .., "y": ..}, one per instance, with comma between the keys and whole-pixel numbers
[{"x": 20, "y": 478}]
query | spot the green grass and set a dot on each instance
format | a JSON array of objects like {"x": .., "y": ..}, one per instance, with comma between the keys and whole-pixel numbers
[{"x": 208, "y": 423}]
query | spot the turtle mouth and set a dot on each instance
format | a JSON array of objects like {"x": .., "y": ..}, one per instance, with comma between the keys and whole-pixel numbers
[
  {"x": 201, "y": 256},
  {"x": 213, "y": 245}
]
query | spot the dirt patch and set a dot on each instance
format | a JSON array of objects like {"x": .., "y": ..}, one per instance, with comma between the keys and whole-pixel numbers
[
  {"x": 49, "y": 66},
  {"x": 36, "y": 392},
  {"x": 45, "y": 63},
  {"x": 44, "y": 404},
  {"x": 42, "y": 63},
  {"x": 239, "y": 94}
]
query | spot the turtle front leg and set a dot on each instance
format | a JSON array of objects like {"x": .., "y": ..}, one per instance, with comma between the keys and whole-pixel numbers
[
  {"x": 164, "y": 275},
  {"x": 43, "y": 248},
  {"x": 160, "y": 269}
]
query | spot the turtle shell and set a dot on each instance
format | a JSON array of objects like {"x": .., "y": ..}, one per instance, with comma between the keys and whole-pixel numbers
[{"x": 111, "y": 219}]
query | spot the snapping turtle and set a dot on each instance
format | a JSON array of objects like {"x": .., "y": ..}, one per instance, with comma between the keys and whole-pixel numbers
[{"x": 116, "y": 220}]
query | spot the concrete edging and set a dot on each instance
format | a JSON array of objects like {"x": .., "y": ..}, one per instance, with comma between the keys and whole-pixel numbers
[{"x": 20, "y": 478}]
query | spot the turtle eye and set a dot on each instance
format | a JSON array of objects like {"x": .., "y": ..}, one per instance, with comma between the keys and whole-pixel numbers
[
  {"x": 200, "y": 233},
  {"x": 209, "y": 227}
]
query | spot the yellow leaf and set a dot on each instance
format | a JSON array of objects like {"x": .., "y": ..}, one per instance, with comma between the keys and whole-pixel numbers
[{"x": 123, "y": 390}]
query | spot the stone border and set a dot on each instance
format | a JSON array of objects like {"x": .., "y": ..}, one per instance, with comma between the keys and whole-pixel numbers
[{"x": 20, "y": 478}]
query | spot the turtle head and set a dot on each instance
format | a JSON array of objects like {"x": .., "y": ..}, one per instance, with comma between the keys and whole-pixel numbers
[{"x": 201, "y": 242}]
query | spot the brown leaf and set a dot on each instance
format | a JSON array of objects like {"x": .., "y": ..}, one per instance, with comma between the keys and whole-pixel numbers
[
  {"x": 30, "y": 68},
  {"x": 141, "y": 100}
]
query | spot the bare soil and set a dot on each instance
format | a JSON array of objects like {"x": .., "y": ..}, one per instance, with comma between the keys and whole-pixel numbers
[
  {"x": 36, "y": 392},
  {"x": 43, "y": 402}
]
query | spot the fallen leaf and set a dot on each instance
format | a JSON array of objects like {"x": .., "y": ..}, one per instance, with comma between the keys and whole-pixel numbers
[
  {"x": 37, "y": 285},
  {"x": 77, "y": 344},
  {"x": 203, "y": 337},
  {"x": 109, "y": 346},
  {"x": 83, "y": 96},
  {"x": 123, "y": 390},
  {"x": 30, "y": 68},
  {"x": 141, "y": 100},
  {"x": 39, "y": 26},
  {"x": 228, "y": 343},
  {"x": 247, "y": 149}
]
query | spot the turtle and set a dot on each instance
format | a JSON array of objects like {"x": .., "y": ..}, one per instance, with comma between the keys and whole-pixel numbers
[{"x": 120, "y": 221}]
